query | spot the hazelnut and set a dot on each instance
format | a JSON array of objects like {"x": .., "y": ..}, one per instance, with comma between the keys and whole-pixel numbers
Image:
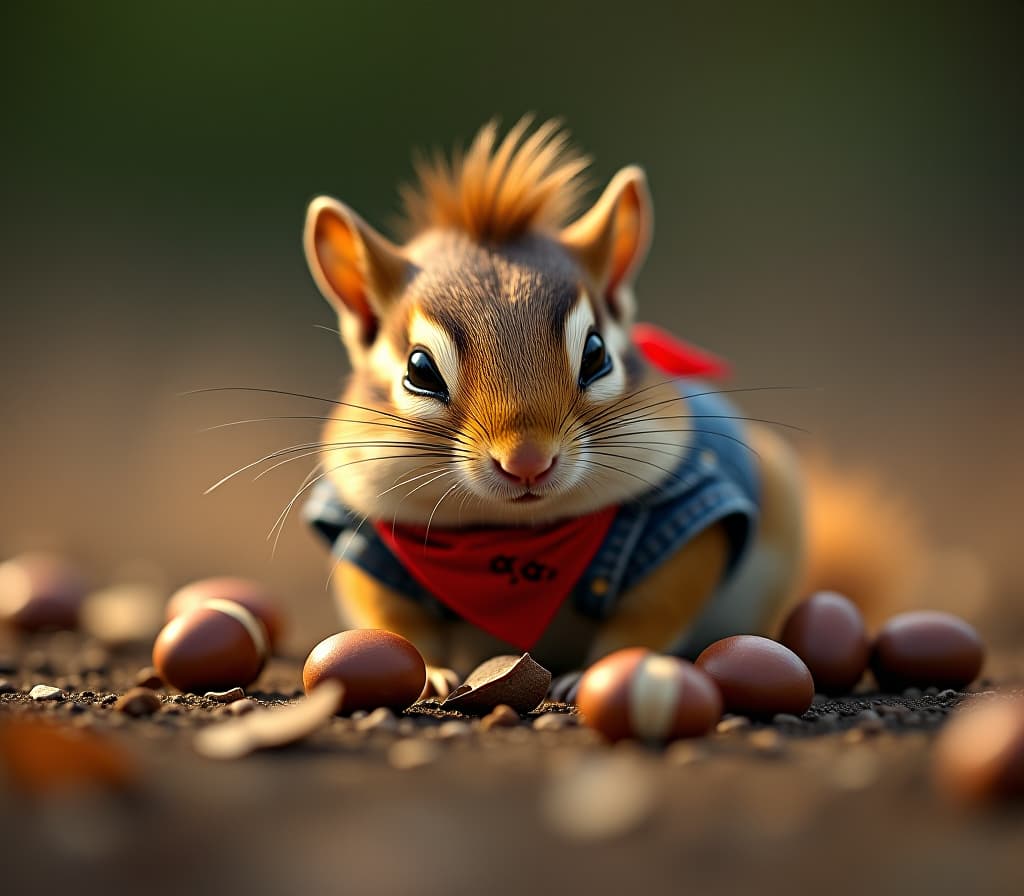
[
  {"x": 927, "y": 648},
  {"x": 758, "y": 676},
  {"x": 828, "y": 633},
  {"x": 256, "y": 598},
  {"x": 376, "y": 667},
  {"x": 39, "y": 592},
  {"x": 634, "y": 693},
  {"x": 212, "y": 647}
]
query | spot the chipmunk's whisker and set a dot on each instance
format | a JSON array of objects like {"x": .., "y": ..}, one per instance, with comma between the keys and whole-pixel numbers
[
  {"x": 410, "y": 428},
  {"x": 410, "y": 479},
  {"x": 628, "y": 396},
  {"x": 279, "y": 523},
  {"x": 633, "y": 460},
  {"x": 713, "y": 432},
  {"x": 643, "y": 445},
  {"x": 605, "y": 412},
  {"x": 309, "y": 484},
  {"x": 594, "y": 463},
  {"x": 394, "y": 518},
  {"x": 439, "y": 428},
  {"x": 341, "y": 556},
  {"x": 708, "y": 432},
  {"x": 316, "y": 447},
  {"x": 327, "y": 329},
  {"x": 343, "y": 447},
  {"x": 430, "y": 519},
  {"x": 577, "y": 397},
  {"x": 641, "y": 417}
]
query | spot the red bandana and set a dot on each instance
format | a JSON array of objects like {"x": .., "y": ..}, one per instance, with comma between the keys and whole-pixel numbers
[{"x": 510, "y": 581}]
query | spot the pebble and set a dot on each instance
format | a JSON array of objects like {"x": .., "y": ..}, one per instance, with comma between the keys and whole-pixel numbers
[
  {"x": 148, "y": 677},
  {"x": 502, "y": 716},
  {"x": 454, "y": 729},
  {"x": 600, "y": 798},
  {"x": 412, "y": 753},
  {"x": 108, "y": 700},
  {"x": 685, "y": 752},
  {"x": 138, "y": 702},
  {"x": 552, "y": 721},
  {"x": 381, "y": 719},
  {"x": 732, "y": 725},
  {"x": 6, "y": 687},
  {"x": 784, "y": 718},
  {"x": 766, "y": 742},
  {"x": 228, "y": 696},
  {"x": 241, "y": 707},
  {"x": 43, "y": 692}
]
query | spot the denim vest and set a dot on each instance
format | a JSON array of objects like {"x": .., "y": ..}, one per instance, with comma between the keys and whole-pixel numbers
[{"x": 715, "y": 481}]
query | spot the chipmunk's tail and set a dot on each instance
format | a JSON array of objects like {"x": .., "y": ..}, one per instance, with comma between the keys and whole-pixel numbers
[{"x": 862, "y": 541}]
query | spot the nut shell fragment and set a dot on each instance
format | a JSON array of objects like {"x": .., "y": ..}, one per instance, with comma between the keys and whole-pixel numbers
[{"x": 517, "y": 681}]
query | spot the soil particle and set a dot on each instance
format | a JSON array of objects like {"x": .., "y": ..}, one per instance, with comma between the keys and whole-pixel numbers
[
  {"x": 228, "y": 696},
  {"x": 138, "y": 702},
  {"x": 381, "y": 719},
  {"x": 412, "y": 753},
  {"x": 46, "y": 692}
]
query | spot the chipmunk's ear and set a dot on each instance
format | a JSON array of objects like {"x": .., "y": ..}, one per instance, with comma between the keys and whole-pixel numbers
[
  {"x": 611, "y": 239},
  {"x": 359, "y": 271}
]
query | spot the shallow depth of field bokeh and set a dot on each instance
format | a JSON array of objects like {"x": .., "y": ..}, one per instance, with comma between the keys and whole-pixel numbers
[{"x": 837, "y": 199}]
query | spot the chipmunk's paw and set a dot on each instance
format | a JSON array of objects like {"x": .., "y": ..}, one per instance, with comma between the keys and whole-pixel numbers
[
  {"x": 440, "y": 683},
  {"x": 564, "y": 688}
]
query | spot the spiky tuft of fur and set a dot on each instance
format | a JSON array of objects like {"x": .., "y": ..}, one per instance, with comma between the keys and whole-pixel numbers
[{"x": 497, "y": 191}]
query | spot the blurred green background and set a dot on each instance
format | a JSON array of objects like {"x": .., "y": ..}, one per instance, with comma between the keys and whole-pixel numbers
[{"x": 838, "y": 201}]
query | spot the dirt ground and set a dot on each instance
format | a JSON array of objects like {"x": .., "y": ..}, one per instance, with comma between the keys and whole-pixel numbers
[{"x": 840, "y": 800}]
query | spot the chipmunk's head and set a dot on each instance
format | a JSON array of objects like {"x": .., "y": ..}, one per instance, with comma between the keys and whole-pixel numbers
[{"x": 494, "y": 343}]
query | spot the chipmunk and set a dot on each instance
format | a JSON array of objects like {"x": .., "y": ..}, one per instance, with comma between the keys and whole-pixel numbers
[{"x": 507, "y": 470}]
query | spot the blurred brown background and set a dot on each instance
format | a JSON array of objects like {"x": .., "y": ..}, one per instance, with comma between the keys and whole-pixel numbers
[{"x": 838, "y": 201}]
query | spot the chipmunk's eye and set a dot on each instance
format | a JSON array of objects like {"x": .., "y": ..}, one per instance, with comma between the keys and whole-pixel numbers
[
  {"x": 423, "y": 378},
  {"x": 596, "y": 361}
]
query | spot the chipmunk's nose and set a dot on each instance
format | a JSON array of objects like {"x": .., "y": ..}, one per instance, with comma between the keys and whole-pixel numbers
[{"x": 526, "y": 464}]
